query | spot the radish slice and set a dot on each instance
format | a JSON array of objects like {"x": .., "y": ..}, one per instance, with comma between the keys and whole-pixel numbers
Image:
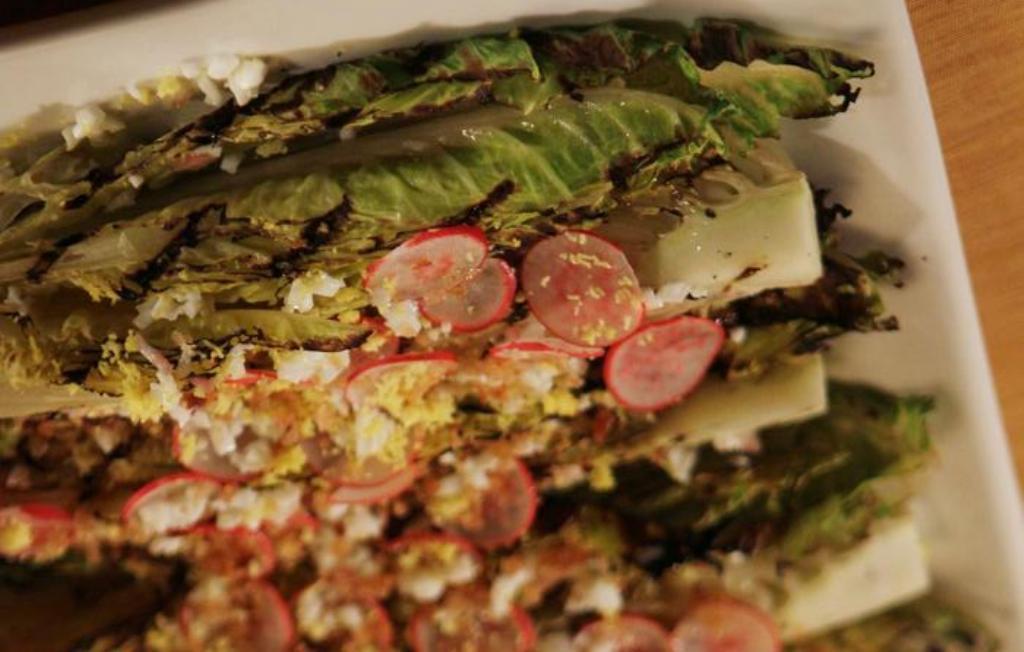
[
  {"x": 251, "y": 377},
  {"x": 662, "y": 362},
  {"x": 377, "y": 492},
  {"x": 382, "y": 343},
  {"x": 427, "y": 368},
  {"x": 581, "y": 287},
  {"x": 327, "y": 613},
  {"x": 528, "y": 338},
  {"x": 171, "y": 503},
  {"x": 35, "y": 532},
  {"x": 626, "y": 633},
  {"x": 724, "y": 624},
  {"x": 225, "y": 551},
  {"x": 427, "y": 263},
  {"x": 194, "y": 450},
  {"x": 497, "y": 515},
  {"x": 248, "y": 615},
  {"x": 371, "y": 480},
  {"x": 474, "y": 305},
  {"x": 461, "y": 623}
]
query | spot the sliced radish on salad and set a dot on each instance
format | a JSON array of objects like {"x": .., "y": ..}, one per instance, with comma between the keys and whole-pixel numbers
[
  {"x": 582, "y": 288},
  {"x": 528, "y": 338},
  {"x": 662, "y": 362},
  {"x": 171, "y": 503},
  {"x": 35, "y": 531},
  {"x": 238, "y": 550},
  {"x": 427, "y": 563},
  {"x": 368, "y": 481},
  {"x": 194, "y": 450},
  {"x": 251, "y": 377},
  {"x": 483, "y": 300},
  {"x": 491, "y": 501},
  {"x": 381, "y": 343},
  {"x": 407, "y": 372},
  {"x": 327, "y": 612},
  {"x": 461, "y": 623},
  {"x": 427, "y": 263},
  {"x": 625, "y": 633},
  {"x": 219, "y": 614},
  {"x": 725, "y": 624}
]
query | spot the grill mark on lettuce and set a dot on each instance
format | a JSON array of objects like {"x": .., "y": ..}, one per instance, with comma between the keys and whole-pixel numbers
[
  {"x": 317, "y": 233},
  {"x": 137, "y": 283},
  {"x": 473, "y": 214}
]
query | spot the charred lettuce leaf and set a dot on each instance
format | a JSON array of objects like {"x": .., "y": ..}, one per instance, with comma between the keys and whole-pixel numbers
[
  {"x": 419, "y": 83},
  {"x": 812, "y": 486},
  {"x": 926, "y": 625}
]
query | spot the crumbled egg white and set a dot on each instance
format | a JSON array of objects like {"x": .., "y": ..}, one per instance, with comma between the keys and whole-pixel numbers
[
  {"x": 738, "y": 335},
  {"x": 167, "y": 546},
  {"x": 16, "y": 301},
  {"x": 241, "y": 76},
  {"x": 402, "y": 317},
  {"x": 230, "y": 162},
  {"x": 90, "y": 122},
  {"x": 249, "y": 507},
  {"x": 318, "y": 620},
  {"x": 505, "y": 589},
  {"x": 304, "y": 288},
  {"x": 680, "y": 460},
  {"x": 428, "y": 583},
  {"x": 180, "y": 301},
  {"x": 233, "y": 365},
  {"x": 600, "y": 594},
  {"x": 321, "y": 366},
  {"x": 374, "y": 430},
  {"x": 744, "y": 441},
  {"x": 362, "y": 523},
  {"x": 178, "y": 506},
  {"x": 539, "y": 377},
  {"x": 672, "y": 293}
]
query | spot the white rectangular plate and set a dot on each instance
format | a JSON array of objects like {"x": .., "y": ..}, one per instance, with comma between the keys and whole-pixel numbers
[{"x": 883, "y": 160}]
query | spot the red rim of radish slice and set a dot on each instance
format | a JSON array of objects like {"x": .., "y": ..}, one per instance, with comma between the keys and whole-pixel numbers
[
  {"x": 422, "y": 633},
  {"x": 260, "y": 548},
  {"x": 582, "y": 288},
  {"x": 382, "y": 633},
  {"x": 371, "y": 493},
  {"x": 208, "y": 463},
  {"x": 274, "y": 628},
  {"x": 251, "y": 377},
  {"x": 721, "y": 624},
  {"x": 625, "y": 632},
  {"x": 508, "y": 508},
  {"x": 360, "y": 357},
  {"x": 153, "y": 489},
  {"x": 366, "y": 377},
  {"x": 474, "y": 305},
  {"x": 529, "y": 338},
  {"x": 428, "y": 262},
  {"x": 662, "y": 362},
  {"x": 51, "y": 529}
]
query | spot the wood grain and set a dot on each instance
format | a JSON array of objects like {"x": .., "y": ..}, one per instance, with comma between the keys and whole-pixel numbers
[{"x": 973, "y": 55}]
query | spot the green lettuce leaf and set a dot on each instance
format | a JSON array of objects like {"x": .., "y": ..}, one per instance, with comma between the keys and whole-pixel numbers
[
  {"x": 925, "y": 625},
  {"x": 813, "y": 485}
]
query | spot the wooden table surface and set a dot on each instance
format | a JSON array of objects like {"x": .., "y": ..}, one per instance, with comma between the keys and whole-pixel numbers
[{"x": 973, "y": 55}]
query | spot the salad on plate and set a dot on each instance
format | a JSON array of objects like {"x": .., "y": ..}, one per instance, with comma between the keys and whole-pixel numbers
[{"x": 514, "y": 342}]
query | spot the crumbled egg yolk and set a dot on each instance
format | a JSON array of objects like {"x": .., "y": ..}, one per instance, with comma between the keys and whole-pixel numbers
[
  {"x": 560, "y": 402},
  {"x": 15, "y": 536}
]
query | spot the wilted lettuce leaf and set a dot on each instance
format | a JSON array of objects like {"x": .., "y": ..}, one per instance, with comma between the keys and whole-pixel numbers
[
  {"x": 926, "y": 625},
  {"x": 801, "y": 320},
  {"x": 812, "y": 485},
  {"x": 422, "y": 82}
]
